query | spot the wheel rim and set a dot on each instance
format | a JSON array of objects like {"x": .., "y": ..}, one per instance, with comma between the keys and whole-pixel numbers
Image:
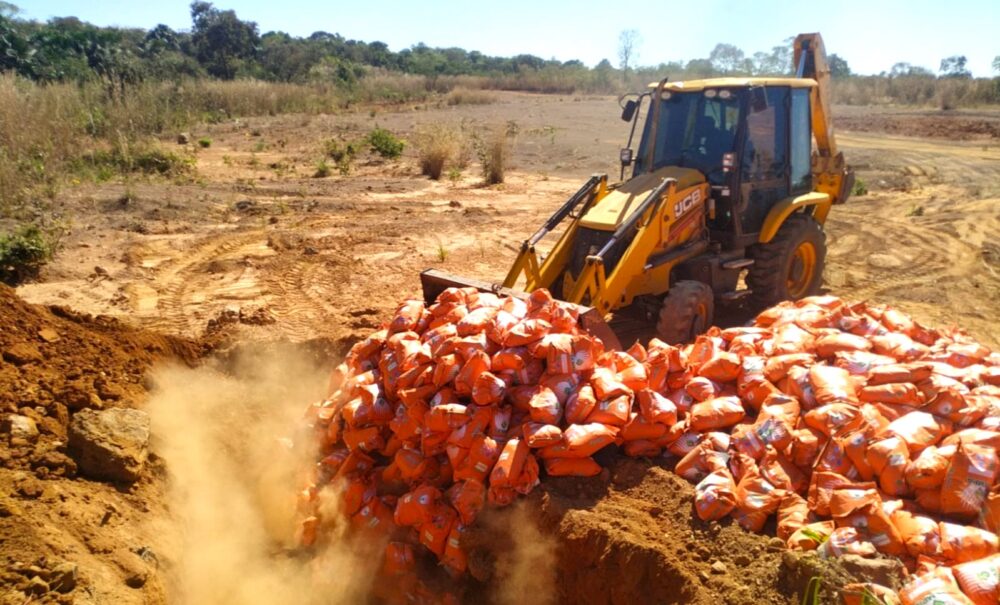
[{"x": 801, "y": 270}]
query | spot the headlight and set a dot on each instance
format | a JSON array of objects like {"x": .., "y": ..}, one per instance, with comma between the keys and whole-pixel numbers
[
  {"x": 725, "y": 94},
  {"x": 710, "y": 94}
]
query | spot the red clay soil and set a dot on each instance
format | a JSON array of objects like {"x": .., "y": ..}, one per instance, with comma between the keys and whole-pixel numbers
[{"x": 53, "y": 363}]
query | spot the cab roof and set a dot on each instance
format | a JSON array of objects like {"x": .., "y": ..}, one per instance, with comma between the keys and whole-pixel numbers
[{"x": 696, "y": 85}]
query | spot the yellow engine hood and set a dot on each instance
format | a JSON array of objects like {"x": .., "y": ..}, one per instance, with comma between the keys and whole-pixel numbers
[{"x": 618, "y": 204}]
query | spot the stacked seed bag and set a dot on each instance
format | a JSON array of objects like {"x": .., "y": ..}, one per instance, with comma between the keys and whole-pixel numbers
[{"x": 861, "y": 430}]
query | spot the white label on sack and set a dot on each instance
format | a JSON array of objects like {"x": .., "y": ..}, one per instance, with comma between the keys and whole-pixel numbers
[{"x": 481, "y": 467}]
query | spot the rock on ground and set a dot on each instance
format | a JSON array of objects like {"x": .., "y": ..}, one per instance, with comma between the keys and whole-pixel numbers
[{"x": 110, "y": 444}]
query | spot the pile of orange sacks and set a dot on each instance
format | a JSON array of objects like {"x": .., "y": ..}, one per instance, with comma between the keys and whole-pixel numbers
[{"x": 861, "y": 430}]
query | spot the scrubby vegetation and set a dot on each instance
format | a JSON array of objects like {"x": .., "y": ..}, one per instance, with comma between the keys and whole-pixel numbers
[
  {"x": 384, "y": 143},
  {"x": 24, "y": 251},
  {"x": 72, "y": 93}
]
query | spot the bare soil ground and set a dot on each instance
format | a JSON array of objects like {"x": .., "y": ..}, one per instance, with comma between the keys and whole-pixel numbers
[{"x": 251, "y": 247}]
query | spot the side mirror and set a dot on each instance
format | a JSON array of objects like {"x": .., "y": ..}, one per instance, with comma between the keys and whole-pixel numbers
[
  {"x": 625, "y": 155},
  {"x": 628, "y": 111}
]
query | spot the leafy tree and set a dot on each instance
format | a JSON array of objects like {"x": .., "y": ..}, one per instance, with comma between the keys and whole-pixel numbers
[
  {"x": 903, "y": 69},
  {"x": 699, "y": 68},
  {"x": 222, "y": 43},
  {"x": 727, "y": 58},
  {"x": 996, "y": 64},
  {"x": 954, "y": 67},
  {"x": 628, "y": 48},
  {"x": 838, "y": 66}
]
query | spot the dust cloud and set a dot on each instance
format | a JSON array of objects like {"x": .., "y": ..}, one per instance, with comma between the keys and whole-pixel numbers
[
  {"x": 234, "y": 466},
  {"x": 525, "y": 573}
]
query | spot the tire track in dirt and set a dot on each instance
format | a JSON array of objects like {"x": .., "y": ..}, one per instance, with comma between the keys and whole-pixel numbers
[{"x": 925, "y": 246}]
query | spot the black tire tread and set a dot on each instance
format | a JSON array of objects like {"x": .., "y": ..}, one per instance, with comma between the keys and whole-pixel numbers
[
  {"x": 766, "y": 277},
  {"x": 678, "y": 310}
]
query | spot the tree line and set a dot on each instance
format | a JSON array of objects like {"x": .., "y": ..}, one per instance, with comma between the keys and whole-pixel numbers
[{"x": 220, "y": 45}]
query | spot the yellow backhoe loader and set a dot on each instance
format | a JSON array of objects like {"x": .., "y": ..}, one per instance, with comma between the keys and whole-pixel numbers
[{"x": 726, "y": 202}]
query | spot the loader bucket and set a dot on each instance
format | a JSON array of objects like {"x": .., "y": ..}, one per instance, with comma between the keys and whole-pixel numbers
[{"x": 435, "y": 282}]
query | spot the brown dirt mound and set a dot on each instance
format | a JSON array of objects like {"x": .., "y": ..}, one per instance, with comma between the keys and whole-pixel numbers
[
  {"x": 53, "y": 363},
  {"x": 629, "y": 536}
]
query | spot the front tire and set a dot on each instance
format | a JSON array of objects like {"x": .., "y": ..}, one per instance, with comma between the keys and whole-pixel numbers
[
  {"x": 790, "y": 266},
  {"x": 686, "y": 312}
]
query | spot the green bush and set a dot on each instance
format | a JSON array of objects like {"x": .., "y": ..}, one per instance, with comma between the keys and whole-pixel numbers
[
  {"x": 205, "y": 142},
  {"x": 860, "y": 188},
  {"x": 23, "y": 252},
  {"x": 342, "y": 153},
  {"x": 385, "y": 143}
]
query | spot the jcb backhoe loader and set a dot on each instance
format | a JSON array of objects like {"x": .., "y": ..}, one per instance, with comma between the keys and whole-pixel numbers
[{"x": 725, "y": 184}]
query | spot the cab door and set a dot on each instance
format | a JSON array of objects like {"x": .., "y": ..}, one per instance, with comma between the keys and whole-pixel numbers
[{"x": 764, "y": 158}]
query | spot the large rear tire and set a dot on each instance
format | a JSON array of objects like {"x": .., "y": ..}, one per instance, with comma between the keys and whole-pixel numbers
[
  {"x": 790, "y": 266},
  {"x": 686, "y": 312}
]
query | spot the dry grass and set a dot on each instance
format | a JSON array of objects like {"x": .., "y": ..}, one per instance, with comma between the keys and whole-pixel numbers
[
  {"x": 494, "y": 152},
  {"x": 465, "y": 96},
  {"x": 438, "y": 146}
]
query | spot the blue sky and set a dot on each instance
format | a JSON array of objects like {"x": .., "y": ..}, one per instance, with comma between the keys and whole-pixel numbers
[{"x": 871, "y": 34}]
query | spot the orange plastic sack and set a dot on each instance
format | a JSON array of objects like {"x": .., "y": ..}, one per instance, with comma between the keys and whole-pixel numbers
[
  {"x": 933, "y": 589},
  {"x": 545, "y": 407},
  {"x": 829, "y": 345},
  {"x": 477, "y": 363},
  {"x": 860, "y": 363},
  {"x": 702, "y": 460},
  {"x": 751, "y": 385},
  {"x": 574, "y": 353},
  {"x": 920, "y": 534},
  {"x": 640, "y": 429},
  {"x": 572, "y": 467},
  {"x": 526, "y": 332},
  {"x": 718, "y": 413},
  {"x": 809, "y": 537},
  {"x": 488, "y": 389},
  {"x": 919, "y": 430},
  {"x": 756, "y": 500},
  {"x": 897, "y": 393},
  {"x": 798, "y": 385},
  {"x": 777, "y": 367},
  {"x": 580, "y": 404},
  {"x": 606, "y": 384},
  {"x": 793, "y": 515},
  {"x": 417, "y": 507},
  {"x": 483, "y": 453},
  {"x": 927, "y": 470},
  {"x": 374, "y": 516},
  {"x": 971, "y": 474},
  {"x": 614, "y": 412},
  {"x": 454, "y": 558},
  {"x": 581, "y": 441},
  {"x": 991, "y": 512},
  {"x": 832, "y": 385},
  {"x": 832, "y": 418},
  {"x": 407, "y": 316},
  {"x": 367, "y": 440},
  {"x": 468, "y": 498},
  {"x": 980, "y": 580},
  {"x": 509, "y": 464},
  {"x": 846, "y": 541},
  {"x": 715, "y": 495},
  {"x": 656, "y": 408},
  {"x": 722, "y": 367},
  {"x": 538, "y": 435},
  {"x": 865, "y": 593},
  {"x": 446, "y": 417},
  {"x": 475, "y": 321},
  {"x": 399, "y": 559},
  {"x": 905, "y": 372},
  {"x": 960, "y": 543},
  {"x": 889, "y": 459},
  {"x": 642, "y": 448},
  {"x": 434, "y": 533},
  {"x": 703, "y": 389}
]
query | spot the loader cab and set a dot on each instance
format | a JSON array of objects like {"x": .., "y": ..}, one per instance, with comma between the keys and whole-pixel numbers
[{"x": 750, "y": 138}]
